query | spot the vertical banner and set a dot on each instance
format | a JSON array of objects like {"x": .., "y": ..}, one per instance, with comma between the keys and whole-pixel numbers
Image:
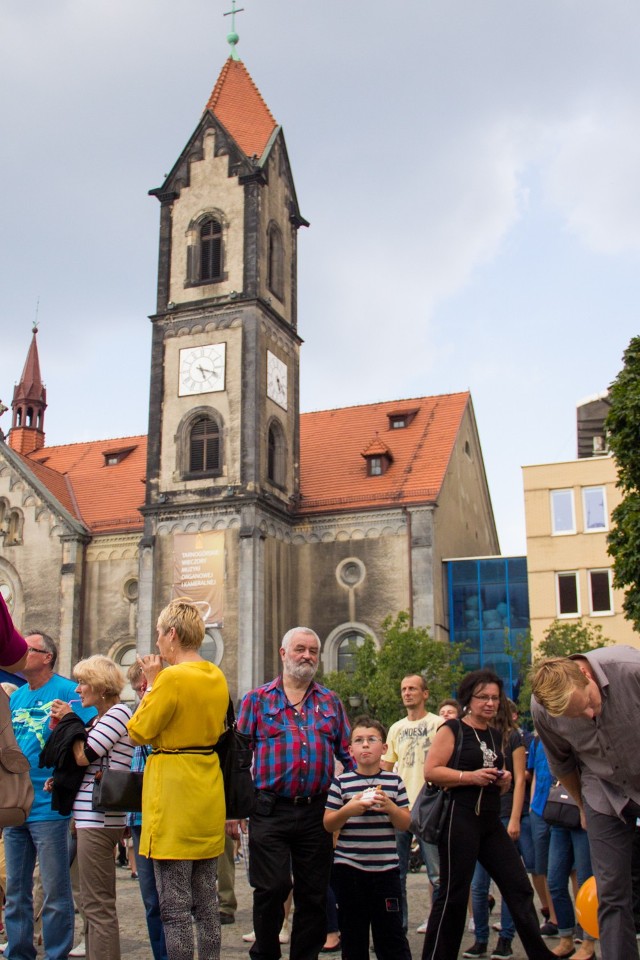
[{"x": 198, "y": 572}]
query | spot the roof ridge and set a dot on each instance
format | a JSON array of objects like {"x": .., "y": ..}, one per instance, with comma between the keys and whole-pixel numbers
[
  {"x": 79, "y": 443},
  {"x": 74, "y": 499},
  {"x": 388, "y": 403}
]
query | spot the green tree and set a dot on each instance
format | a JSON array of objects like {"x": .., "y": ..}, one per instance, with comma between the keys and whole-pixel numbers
[
  {"x": 561, "y": 639},
  {"x": 405, "y": 650},
  {"x": 623, "y": 427}
]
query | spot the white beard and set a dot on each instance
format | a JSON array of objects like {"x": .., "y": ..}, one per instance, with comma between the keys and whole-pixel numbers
[{"x": 299, "y": 671}]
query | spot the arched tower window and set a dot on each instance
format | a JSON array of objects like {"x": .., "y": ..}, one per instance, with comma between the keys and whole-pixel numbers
[
  {"x": 275, "y": 261},
  {"x": 211, "y": 250},
  {"x": 276, "y": 454},
  {"x": 204, "y": 446}
]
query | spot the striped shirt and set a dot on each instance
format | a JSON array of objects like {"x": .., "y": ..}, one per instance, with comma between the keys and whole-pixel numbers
[
  {"x": 107, "y": 736},
  {"x": 367, "y": 842},
  {"x": 294, "y": 747}
]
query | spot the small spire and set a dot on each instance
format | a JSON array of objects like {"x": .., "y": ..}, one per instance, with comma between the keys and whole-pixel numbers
[{"x": 232, "y": 37}]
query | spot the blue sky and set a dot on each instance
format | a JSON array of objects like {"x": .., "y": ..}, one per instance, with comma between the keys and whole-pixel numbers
[{"x": 470, "y": 171}]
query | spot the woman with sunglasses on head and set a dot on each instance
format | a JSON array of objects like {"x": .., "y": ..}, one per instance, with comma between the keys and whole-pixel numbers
[{"x": 473, "y": 829}]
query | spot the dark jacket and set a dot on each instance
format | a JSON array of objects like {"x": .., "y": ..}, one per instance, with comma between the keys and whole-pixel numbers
[{"x": 58, "y": 753}]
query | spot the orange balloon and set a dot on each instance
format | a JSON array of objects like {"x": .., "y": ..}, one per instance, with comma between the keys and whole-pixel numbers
[{"x": 587, "y": 908}]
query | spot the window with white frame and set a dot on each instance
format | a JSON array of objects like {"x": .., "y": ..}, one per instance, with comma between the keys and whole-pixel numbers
[
  {"x": 600, "y": 597},
  {"x": 563, "y": 517},
  {"x": 595, "y": 509},
  {"x": 568, "y": 597}
]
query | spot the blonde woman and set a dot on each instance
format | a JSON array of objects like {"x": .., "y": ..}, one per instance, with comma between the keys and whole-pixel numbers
[
  {"x": 182, "y": 715},
  {"x": 100, "y": 683}
]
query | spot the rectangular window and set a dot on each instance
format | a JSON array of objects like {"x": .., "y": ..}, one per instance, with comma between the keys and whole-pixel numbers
[
  {"x": 595, "y": 510},
  {"x": 600, "y": 590},
  {"x": 563, "y": 519},
  {"x": 567, "y": 590},
  {"x": 375, "y": 466}
]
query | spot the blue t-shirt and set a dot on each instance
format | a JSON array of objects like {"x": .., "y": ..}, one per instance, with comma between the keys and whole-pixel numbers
[
  {"x": 537, "y": 761},
  {"x": 30, "y": 713}
]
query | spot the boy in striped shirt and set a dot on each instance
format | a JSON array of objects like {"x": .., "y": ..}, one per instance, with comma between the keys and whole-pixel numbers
[{"x": 366, "y": 806}]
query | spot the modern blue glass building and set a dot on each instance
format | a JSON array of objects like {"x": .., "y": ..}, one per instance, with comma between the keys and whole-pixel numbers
[{"x": 489, "y": 612}]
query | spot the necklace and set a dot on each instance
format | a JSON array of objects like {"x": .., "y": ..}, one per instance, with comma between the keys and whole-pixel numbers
[
  {"x": 370, "y": 780},
  {"x": 489, "y": 756}
]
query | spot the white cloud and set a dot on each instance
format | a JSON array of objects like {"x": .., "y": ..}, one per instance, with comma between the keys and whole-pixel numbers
[{"x": 592, "y": 177}]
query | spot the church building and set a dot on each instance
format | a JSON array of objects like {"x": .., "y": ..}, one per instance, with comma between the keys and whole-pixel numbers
[{"x": 267, "y": 518}]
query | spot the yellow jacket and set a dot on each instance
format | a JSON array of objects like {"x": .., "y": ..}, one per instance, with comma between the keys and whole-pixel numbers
[{"x": 183, "y": 809}]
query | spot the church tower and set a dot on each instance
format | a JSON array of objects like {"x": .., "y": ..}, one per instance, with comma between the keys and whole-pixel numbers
[
  {"x": 224, "y": 403},
  {"x": 28, "y": 405}
]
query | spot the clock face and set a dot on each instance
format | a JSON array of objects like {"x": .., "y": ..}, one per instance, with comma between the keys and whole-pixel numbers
[
  {"x": 202, "y": 369},
  {"x": 277, "y": 380}
]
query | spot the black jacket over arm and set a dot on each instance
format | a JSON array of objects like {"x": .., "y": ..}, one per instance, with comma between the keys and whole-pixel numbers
[{"x": 58, "y": 753}]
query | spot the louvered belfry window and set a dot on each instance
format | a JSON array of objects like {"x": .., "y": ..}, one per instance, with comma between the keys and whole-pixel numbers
[
  {"x": 211, "y": 250},
  {"x": 204, "y": 447}
]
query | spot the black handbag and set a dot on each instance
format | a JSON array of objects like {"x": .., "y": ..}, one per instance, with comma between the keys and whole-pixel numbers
[
  {"x": 430, "y": 809},
  {"x": 117, "y": 791},
  {"x": 236, "y": 756},
  {"x": 561, "y": 810}
]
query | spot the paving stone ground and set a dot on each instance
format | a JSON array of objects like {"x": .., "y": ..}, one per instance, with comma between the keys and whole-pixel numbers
[{"x": 133, "y": 932}]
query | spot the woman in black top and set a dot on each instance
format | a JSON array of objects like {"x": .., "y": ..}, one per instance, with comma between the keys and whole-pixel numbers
[{"x": 474, "y": 830}]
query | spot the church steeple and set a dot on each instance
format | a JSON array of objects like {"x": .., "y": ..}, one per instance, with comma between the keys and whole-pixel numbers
[
  {"x": 238, "y": 104},
  {"x": 29, "y": 404}
]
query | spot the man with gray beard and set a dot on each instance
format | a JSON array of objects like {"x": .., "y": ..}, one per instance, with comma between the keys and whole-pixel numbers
[{"x": 296, "y": 729}]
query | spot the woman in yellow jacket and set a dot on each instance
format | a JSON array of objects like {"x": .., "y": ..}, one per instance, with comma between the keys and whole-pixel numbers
[{"x": 182, "y": 715}]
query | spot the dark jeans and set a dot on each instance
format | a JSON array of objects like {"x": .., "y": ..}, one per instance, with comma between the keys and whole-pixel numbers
[
  {"x": 611, "y": 845},
  {"x": 468, "y": 837},
  {"x": 429, "y": 853},
  {"x": 369, "y": 900},
  {"x": 289, "y": 839},
  {"x": 149, "y": 893}
]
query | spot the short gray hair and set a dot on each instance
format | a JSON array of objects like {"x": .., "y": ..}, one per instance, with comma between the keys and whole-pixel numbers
[
  {"x": 49, "y": 644},
  {"x": 289, "y": 635}
]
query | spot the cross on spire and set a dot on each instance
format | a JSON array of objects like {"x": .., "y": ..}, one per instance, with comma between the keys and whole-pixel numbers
[{"x": 232, "y": 37}]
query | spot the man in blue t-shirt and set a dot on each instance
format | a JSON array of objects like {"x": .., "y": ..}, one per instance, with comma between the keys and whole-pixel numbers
[{"x": 45, "y": 834}]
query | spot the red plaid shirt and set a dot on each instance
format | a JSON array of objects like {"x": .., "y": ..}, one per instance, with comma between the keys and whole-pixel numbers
[{"x": 294, "y": 749}]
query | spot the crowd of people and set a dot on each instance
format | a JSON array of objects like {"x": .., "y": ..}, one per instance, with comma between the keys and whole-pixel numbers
[{"x": 333, "y": 800}]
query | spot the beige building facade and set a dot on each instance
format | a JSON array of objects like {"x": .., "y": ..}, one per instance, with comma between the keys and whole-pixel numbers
[{"x": 568, "y": 509}]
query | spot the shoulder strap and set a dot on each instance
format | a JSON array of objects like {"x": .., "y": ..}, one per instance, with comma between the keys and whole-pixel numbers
[{"x": 453, "y": 760}]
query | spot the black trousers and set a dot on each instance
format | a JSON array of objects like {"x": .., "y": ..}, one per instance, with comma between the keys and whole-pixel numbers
[
  {"x": 469, "y": 837},
  {"x": 289, "y": 840},
  {"x": 369, "y": 900}
]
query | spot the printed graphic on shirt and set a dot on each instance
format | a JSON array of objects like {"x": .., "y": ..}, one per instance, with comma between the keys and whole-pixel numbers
[
  {"x": 35, "y": 720},
  {"x": 489, "y": 756}
]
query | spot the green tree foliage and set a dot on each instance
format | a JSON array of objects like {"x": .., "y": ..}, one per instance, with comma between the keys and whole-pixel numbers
[
  {"x": 623, "y": 427},
  {"x": 561, "y": 639},
  {"x": 376, "y": 679}
]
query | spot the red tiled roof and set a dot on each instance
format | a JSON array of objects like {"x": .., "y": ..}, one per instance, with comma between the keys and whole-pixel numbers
[
  {"x": 333, "y": 472},
  {"x": 376, "y": 448},
  {"x": 30, "y": 386},
  {"x": 238, "y": 104},
  {"x": 105, "y": 498}
]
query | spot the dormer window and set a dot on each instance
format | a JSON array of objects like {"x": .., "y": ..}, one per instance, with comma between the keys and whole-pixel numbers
[
  {"x": 113, "y": 457},
  {"x": 378, "y": 457},
  {"x": 399, "y": 419}
]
